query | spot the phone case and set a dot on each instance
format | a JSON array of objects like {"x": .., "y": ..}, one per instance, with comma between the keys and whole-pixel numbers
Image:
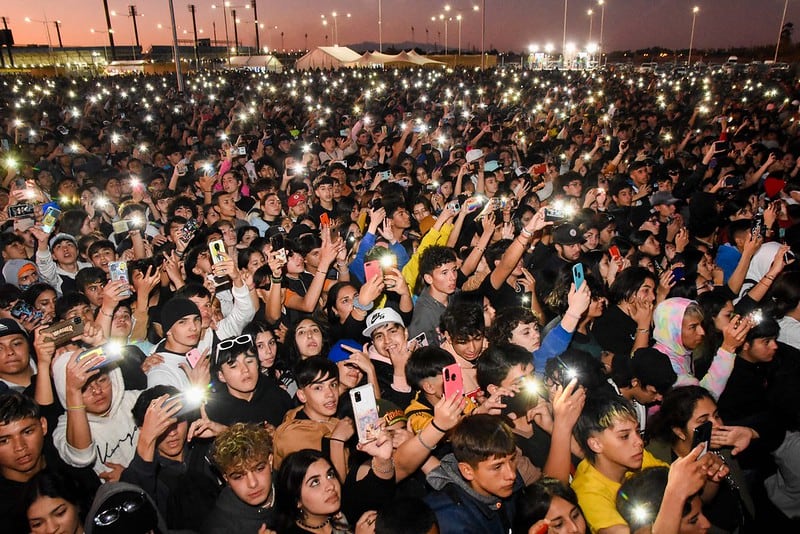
[
  {"x": 372, "y": 269},
  {"x": 418, "y": 341},
  {"x": 365, "y": 412},
  {"x": 324, "y": 220},
  {"x": 702, "y": 434},
  {"x": 110, "y": 355},
  {"x": 50, "y": 219},
  {"x": 193, "y": 357},
  {"x": 118, "y": 270},
  {"x": 577, "y": 275},
  {"x": 62, "y": 332},
  {"x": 453, "y": 381},
  {"x": 217, "y": 249},
  {"x": 614, "y": 251},
  {"x": 24, "y": 310}
]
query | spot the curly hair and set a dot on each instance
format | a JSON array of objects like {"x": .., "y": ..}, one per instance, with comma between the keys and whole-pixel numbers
[
  {"x": 506, "y": 321},
  {"x": 242, "y": 445}
]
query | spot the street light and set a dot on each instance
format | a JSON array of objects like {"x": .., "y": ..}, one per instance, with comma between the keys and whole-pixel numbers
[
  {"x": 780, "y": 30},
  {"x": 458, "y": 18},
  {"x": 105, "y": 50},
  {"x": 335, "y": 17},
  {"x": 695, "y": 9},
  {"x": 602, "y": 5},
  {"x": 591, "y": 21},
  {"x": 564, "y": 40}
]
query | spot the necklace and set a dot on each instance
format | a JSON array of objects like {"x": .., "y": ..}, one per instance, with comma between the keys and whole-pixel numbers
[{"x": 317, "y": 527}]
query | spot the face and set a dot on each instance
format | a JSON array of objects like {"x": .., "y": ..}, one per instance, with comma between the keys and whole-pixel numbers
[
  {"x": 186, "y": 331},
  {"x": 21, "y": 445},
  {"x": 46, "y": 303},
  {"x": 324, "y": 192},
  {"x": 321, "y": 490},
  {"x": 443, "y": 278},
  {"x": 420, "y": 211},
  {"x": 401, "y": 219},
  {"x": 468, "y": 348},
  {"x": 226, "y": 206},
  {"x": 228, "y": 235},
  {"x": 526, "y": 335},
  {"x": 389, "y": 338},
  {"x": 240, "y": 375},
  {"x": 101, "y": 258},
  {"x": 321, "y": 398},
  {"x": 570, "y": 253},
  {"x": 607, "y": 234},
  {"x": 96, "y": 394},
  {"x": 760, "y": 350},
  {"x": 229, "y": 183},
  {"x": 695, "y": 522},
  {"x": 15, "y": 251},
  {"x": 267, "y": 347},
  {"x": 171, "y": 442},
  {"x": 624, "y": 197},
  {"x": 252, "y": 483},
  {"x": 592, "y": 239},
  {"x": 349, "y": 374},
  {"x": 344, "y": 301},
  {"x": 492, "y": 477},
  {"x": 14, "y": 355},
  {"x": 308, "y": 337},
  {"x": 255, "y": 262},
  {"x": 121, "y": 323},
  {"x": 295, "y": 263},
  {"x": 53, "y": 515},
  {"x": 723, "y": 318},
  {"x": 28, "y": 278},
  {"x": 692, "y": 332},
  {"x": 206, "y": 311},
  {"x": 647, "y": 291},
  {"x": 651, "y": 246},
  {"x": 565, "y": 517},
  {"x": 620, "y": 443},
  {"x": 488, "y": 312},
  {"x": 272, "y": 206}
]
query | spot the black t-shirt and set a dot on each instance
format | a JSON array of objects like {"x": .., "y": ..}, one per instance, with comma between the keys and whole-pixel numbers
[
  {"x": 615, "y": 331},
  {"x": 503, "y": 297},
  {"x": 245, "y": 203}
]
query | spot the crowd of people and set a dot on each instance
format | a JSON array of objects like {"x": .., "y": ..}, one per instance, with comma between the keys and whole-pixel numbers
[{"x": 400, "y": 301}]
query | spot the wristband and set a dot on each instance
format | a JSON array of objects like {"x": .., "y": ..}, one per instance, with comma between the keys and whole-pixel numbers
[
  {"x": 643, "y": 330},
  {"x": 276, "y": 280},
  {"x": 109, "y": 315},
  {"x": 79, "y": 407},
  {"x": 526, "y": 232},
  {"x": 419, "y": 437},
  {"x": 365, "y": 308},
  {"x": 437, "y": 427}
]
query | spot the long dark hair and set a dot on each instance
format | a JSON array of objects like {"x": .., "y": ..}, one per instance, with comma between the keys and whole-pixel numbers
[
  {"x": 535, "y": 502},
  {"x": 676, "y": 410},
  {"x": 48, "y": 483},
  {"x": 290, "y": 484}
]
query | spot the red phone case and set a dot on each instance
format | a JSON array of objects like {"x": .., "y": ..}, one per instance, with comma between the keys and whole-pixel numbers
[
  {"x": 324, "y": 220},
  {"x": 372, "y": 269},
  {"x": 614, "y": 251}
]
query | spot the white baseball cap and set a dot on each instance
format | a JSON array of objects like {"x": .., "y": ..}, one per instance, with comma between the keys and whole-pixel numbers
[{"x": 380, "y": 317}]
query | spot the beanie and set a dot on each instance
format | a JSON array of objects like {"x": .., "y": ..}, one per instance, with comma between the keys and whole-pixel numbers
[{"x": 174, "y": 310}]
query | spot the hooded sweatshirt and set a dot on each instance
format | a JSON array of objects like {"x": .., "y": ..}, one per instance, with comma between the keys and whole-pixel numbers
[
  {"x": 461, "y": 510},
  {"x": 668, "y": 320},
  {"x": 112, "y": 495},
  {"x": 231, "y": 514},
  {"x": 114, "y": 433}
]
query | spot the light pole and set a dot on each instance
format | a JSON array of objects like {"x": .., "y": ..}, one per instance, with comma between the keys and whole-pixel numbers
[
  {"x": 564, "y": 39},
  {"x": 255, "y": 25},
  {"x": 591, "y": 21},
  {"x": 178, "y": 75},
  {"x": 225, "y": 20},
  {"x": 780, "y": 30},
  {"x": 695, "y": 9},
  {"x": 105, "y": 49},
  {"x": 602, "y": 5},
  {"x": 458, "y": 18}
]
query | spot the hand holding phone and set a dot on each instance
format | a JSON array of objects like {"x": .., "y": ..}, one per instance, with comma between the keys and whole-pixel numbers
[
  {"x": 365, "y": 413},
  {"x": 702, "y": 435},
  {"x": 453, "y": 381},
  {"x": 577, "y": 275}
]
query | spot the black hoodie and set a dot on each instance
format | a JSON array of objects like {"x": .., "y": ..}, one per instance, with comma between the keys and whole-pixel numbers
[
  {"x": 270, "y": 403},
  {"x": 233, "y": 515}
]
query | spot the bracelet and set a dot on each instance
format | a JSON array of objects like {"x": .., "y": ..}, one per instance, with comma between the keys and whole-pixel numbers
[
  {"x": 79, "y": 407},
  {"x": 277, "y": 280},
  {"x": 437, "y": 427},
  {"x": 363, "y": 307},
  {"x": 643, "y": 330},
  {"x": 383, "y": 471},
  {"x": 110, "y": 315},
  {"x": 768, "y": 277},
  {"x": 422, "y": 442},
  {"x": 526, "y": 232},
  {"x": 337, "y": 439}
]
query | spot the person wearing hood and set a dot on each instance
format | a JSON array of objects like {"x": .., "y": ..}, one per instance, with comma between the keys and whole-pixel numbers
[
  {"x": 21, "y": 273},
  {"x": 243, "y": 394},
  {"x": 181, "y": 323},
  {"x": 678, "y": 331},
  {"x": 97, "y": 428},
  {"x": 122, "y": 508},
  {"x": 57, "y": 259},
  {"x": 478, "y": 484}
]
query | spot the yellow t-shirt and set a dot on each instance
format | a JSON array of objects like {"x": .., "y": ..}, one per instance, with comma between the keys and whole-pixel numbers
[{"x": 597, "y": 494}]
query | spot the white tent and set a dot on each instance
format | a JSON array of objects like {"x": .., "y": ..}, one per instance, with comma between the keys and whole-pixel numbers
[
  {"x": 260, "y": 62},
  {"x": 327, "y": 57},
  {"x": 417, "y": 59}
]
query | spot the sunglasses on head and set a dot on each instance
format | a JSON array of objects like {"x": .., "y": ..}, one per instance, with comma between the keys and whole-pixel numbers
[{"x": 226, "y": 344}]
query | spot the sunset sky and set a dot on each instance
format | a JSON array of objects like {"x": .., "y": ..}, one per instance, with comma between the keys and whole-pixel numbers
[{"x": 510, "y": 24}]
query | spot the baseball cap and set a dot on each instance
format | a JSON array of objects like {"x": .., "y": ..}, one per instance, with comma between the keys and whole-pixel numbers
[
  {"x": 58, "y": 238},
  {"x": 568, "y": 234},
  {"x": 338, "y": 353},
  {"x": 9, "y": 327},
  {"x": 295, "y": 199},
  {"x": 663, "y": 197},
  {"x": 380, "y": 317},
  {"x": 474, "y": 155}
]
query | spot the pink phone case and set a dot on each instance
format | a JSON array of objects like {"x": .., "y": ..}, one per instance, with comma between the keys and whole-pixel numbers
[
  {"x": 453, "y": 381},
  {"x": 372, "y": 269},
  {"x": 193, "y": 357}
]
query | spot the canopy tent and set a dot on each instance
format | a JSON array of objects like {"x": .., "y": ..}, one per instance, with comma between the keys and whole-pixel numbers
[
  {"x": 403, "y": 59},
  {"x": 422, "y": 61},
  {"x": 328, "y": 57},
  {"x": 260, "y": 62}
]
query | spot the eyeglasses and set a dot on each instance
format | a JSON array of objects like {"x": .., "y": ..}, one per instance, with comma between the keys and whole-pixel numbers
[
  {"x": 226, "y": 344},
  {"x": 112, "y": 515}
]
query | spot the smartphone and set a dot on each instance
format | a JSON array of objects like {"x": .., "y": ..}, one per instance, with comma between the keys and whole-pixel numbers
[
  {"x": 520, "y": 403},
  {"x": 472, "y": 203},
  {"x": 757, "y": 228},
  {"x": 118, "y": 270},
  {"x": 242, "y": 150},
  {"x": 454, "y": 206},
  {"x": 562, "y": 374},
  {"x": 188, "y": 230},
  {"x": 376, "y": 203},
  {"x": 418, "y": 341},
  {"x": 702, "y": 434},
  {"x": 24, "y": 311},
  {"x": 62, "y": 332},
  {"x": 384, "y": 175},
  {"x": 365, "y": 413},
  {"x": 372, "y": 269},
  {"x": 678, "y": 273},
  {"x": 278, "y": 242},
  {"x": 18, "y": 211},
  {"x": 189, "y": 403},
  {"x": 539, "y": 168},
  {"x": 50, "y": 219},
  {"x": 577, "y": 275},
  {"x": 110, "y": 352},
  {"x": 193, "y": 357},
  {"x": 614, "y": 252},
  {"x": 453, "y": 381},
  {"x": 344, "y": 133},
  {"x": 720, "y": 147},
  {"x": 324, "y": 220},
  {"x": 123, "y": 226},
  {"x": 554, "y": 215},
  {"x": 217, "y": 249}
]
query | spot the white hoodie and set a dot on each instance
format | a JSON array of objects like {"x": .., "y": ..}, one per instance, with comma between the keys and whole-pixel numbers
[{"x": 114, "y": 434}]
